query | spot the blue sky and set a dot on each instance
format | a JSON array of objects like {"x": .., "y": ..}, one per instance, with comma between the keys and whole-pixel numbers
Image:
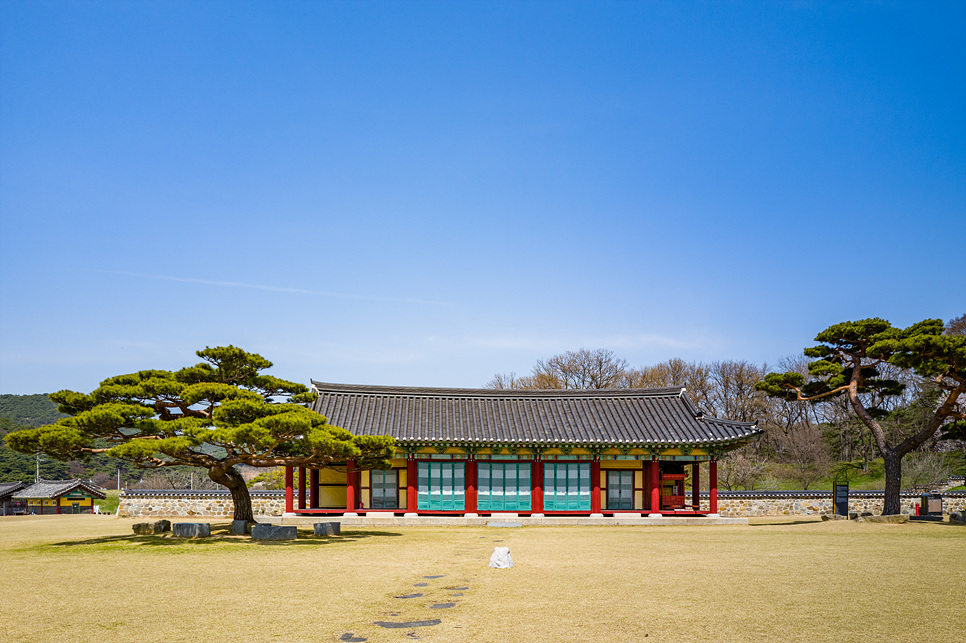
[{"x": 428, "y": 193}]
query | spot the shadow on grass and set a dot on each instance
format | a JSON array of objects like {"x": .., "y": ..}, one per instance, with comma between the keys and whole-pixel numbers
[
  {"x": 786, "y": 523},
  {"x": 220, "y": 537},
  {"x": 947, "y": 523}
]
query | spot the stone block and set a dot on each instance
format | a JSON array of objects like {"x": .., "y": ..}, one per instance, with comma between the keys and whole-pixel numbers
[
  {"x": 327, "y": 528},
  {"x": 144, "y": 529},
  {"x": 151, "y": 528},
  {"x": 191, "y": 530},
  {"x": 241, "y": 527},
  {"x": 264, "y": 531},
  {"x": 958, "y": 518},
  {"x": 896, "y": 518}
]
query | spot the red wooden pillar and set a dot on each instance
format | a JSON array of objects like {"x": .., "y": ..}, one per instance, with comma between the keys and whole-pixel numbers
[
  {"x": 655, "y": 487},
  {"x": 288, "y": 490},
  {"x": 314, "y": 489},
  {"x": 350, "y": 485},
  {"x": 301, "y": 487},
  {"x": 595, "y": 486},
  {"x": 57, "y": 500},
  {"x": 470, "y": 498},
  {"x": 536, "y": 487},
  {"x": 411, "y": 485},
  {"x": 696, "y": 485},
  {"x": 713, "y": 487}
]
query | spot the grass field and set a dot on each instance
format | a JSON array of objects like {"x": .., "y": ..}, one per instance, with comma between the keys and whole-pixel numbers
[{"x": 87, "y": 579}]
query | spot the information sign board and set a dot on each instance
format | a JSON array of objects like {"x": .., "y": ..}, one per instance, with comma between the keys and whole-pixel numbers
[{"x": 840, "y": 498}]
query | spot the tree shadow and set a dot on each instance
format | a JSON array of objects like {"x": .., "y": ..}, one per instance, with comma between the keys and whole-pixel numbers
[
  {"x": 786, "y": 523},
  {"x": 945, "y": 523},
  {"x": 220, "y": 538}
]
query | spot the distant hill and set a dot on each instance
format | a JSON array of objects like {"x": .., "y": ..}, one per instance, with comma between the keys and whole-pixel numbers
[
  {"x": 29, "y": 410},
  {"x": 24, "y": 411},
  {"x": 21, "y": 467},
  {"x": 21, "y": 412}
]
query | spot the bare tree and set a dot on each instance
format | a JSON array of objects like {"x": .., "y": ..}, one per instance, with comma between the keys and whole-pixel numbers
[
  {"x": 956, "y": 326},
  {"x": 733, "y": 392},
  {"x": 504, "y": 381},
  {"x": 581, "y": 369},
  {"x": 104, "y": 480},
  {"x": 743, "y": 468},
  {"x": 694, "y": 376},
  {"x": 807, "y": 453},
  {"x": 923, "y": 470},
  {"x": 176, "y": 479}
]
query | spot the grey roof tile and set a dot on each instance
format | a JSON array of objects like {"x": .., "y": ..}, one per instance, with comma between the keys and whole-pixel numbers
[
  {"x": 58, "y": 488},
  {"x": 633, "y": 417},
  {"x": 10, "y": 488}
]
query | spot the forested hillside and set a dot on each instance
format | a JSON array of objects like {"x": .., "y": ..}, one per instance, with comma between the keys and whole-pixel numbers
[
  {"x": 25, "y": 411},
  {"x": 29, "y": 410},
  {"x": 22, "y": 467}
]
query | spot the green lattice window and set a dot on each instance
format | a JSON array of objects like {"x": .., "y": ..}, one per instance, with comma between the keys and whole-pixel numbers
[
  {"x": 566, "y": 487},
  {"x": 503, "y": 486},
  {"x": 441, "y": 486}
]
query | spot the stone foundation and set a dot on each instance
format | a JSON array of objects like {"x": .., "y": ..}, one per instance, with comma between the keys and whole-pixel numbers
[{"x": 145, "y": 503}]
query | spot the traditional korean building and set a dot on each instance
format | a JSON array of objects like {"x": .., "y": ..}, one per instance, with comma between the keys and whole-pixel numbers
[
  {"x": 9, "y": 506},
  {"x": 475, "y": 452},
  {"x": 60, "y": 497}
]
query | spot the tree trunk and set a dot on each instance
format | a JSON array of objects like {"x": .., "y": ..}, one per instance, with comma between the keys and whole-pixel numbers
[
  {"x": 893, "y": 480},
  {"x": 866, "y": 447},
  {"x": 229, "y": 477}
]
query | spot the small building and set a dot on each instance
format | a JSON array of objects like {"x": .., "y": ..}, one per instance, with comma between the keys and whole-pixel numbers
[
  {"x": 60, "y": 497},
  {"x": 9, "y": 506},
  {"x": 472, "y": 452}
]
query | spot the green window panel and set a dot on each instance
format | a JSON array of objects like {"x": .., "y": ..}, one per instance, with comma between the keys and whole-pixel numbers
[
  {"x": 566, "y": 487},
  {"x": 620, "y": 489},
  {"x": 385, "y": 485},
  {"x": 441, "y": 486},
  {"x": 503, "y": 486}
]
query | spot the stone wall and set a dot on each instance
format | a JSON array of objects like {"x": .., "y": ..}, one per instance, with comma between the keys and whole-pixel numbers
[
  {"x": 731, "y": 504},
  {"x": 210, "y": 504},
  {"x": 749, "y": 504}
]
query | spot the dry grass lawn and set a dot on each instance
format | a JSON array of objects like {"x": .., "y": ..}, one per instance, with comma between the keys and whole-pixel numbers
[{"x": 87, "y": 579}]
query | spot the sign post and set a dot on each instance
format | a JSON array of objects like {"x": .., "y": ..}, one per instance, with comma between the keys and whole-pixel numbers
[{"x": 840, "y": 499}]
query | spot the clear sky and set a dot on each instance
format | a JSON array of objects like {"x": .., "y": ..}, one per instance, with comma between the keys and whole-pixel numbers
[{"x": 428, "y": 193}]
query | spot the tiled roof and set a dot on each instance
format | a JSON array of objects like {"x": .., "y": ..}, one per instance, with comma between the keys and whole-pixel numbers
[
  {"x": 58, "y": 488},
  {"x": 9, "y": 488},
  {"x": 618, "y": 417}
]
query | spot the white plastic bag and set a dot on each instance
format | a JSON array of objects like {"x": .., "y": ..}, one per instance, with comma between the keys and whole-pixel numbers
[{"x": 501, "y": 558}]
